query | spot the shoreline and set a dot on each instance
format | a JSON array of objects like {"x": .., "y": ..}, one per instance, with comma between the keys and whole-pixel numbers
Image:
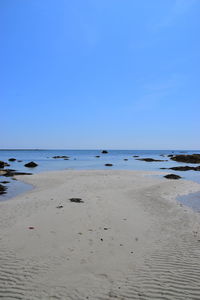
[{"x": 124, "y": 240}]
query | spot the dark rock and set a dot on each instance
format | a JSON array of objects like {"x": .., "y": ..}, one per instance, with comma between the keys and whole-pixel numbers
[
  {"x": 104, "y": 151},
  {"x": 108, "y": 165},
  {"x": 59, "y": 206},
  {"x": 3, "y": 164},
  {"x": 76, "y": 200},
  {"x": 97, "y": 156},
  {"x": 172, "y": 176},
  {"x": 4, "y": 182},
  {"x": 135, "y": 155},
  {"x": 12, "y": 159},
  {"x": 163, "y": 168},
  {"x": 185, "y": 168},
  {"x": 22, "y": 173},
  {"x": 170, "y": 155},
  {"x": 125, "y": 159},
  {"x": 11, "y": 173},
  {"x": 150, "y": 159},
  {"x": 2, "y": 189},
  {"x": 187, "y": 158},
  {"x": 61, "y": 156},
  {"x": 31, "y": 164},
  {"x": 19, "y": 160}
]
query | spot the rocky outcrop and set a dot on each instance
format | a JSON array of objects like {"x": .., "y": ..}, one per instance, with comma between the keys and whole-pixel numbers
[
  {"x": 3, "y": 164},
  {"x": 11, "y": 173},
  {"x": 104, "y": 151},
  {"x": 185, "y": 168},
  {"x": 108, "y": 165},
  {"x": 172, "y": 176},
  {"x": 2, "y": 189},
  {"x": 150, "y": 159},
  {"x": 187, "y": 158},
  {"x": 60, "y": 156},
  {"x": 31, "y": 164}
]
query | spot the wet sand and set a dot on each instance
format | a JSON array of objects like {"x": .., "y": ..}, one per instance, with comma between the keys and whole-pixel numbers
[{"x": 129, "y": 239}]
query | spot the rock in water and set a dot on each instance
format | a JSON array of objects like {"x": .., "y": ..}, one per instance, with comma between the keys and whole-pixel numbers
[
  {"x": 108, "y": 165},
  {"x": 150, "y": 159},
  {"x": 2, "y": 189},
  {"x": 3, "y": 164},
  {"x": 172, "y": 176},
  {"x": 12, "y": 159},
  {"x": 104, "y": 151},
  {"x": 61, "y": 156},
  {"x": 185, "y": 168},
  {"x": 31, "y": 164},
  {"x": 187, "y": 158}
]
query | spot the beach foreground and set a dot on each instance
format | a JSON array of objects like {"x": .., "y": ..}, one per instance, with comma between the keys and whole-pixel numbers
[{"x": 129, "y": 239}]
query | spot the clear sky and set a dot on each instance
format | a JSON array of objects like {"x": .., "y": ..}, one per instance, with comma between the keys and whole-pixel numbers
[{"x": 116, "y": 74}]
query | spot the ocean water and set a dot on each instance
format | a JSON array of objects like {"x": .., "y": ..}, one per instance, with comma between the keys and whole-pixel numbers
[{"x": 86, "y": 159}]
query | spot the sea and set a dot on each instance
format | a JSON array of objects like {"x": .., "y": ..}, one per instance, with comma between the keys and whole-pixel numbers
[{"x": 87, "y": 160}]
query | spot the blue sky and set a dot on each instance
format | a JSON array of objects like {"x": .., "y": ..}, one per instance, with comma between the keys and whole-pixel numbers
[{"x": 116, "y": 74}]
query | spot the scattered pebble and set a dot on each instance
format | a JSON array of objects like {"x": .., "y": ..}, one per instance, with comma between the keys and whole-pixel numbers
[
  {"x": 76, "y": 200},
  {"x": 59, "y": 206}
]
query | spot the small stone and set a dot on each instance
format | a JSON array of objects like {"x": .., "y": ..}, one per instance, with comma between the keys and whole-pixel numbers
[
  {"x": 76, "y": 200},
  {"x": 59, "y": 206}
]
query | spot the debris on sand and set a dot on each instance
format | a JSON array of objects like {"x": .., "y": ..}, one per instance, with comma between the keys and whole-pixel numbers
[{"x": 76, "y": 200}]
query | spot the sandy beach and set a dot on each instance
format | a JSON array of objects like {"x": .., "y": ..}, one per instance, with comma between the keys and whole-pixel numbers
[{"x": 128, "y": 239}]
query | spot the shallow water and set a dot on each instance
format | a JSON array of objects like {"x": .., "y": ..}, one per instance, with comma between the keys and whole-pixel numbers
[
  {"x": 86, "y": 159},
  {"x": 191, "y": 200}
]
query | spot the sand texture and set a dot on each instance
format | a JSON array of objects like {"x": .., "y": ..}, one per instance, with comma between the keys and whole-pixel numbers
[{"x": 129, "y": 239}]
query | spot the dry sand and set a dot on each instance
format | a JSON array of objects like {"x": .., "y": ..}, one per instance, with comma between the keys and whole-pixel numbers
[{"x": 130, "y": 239}]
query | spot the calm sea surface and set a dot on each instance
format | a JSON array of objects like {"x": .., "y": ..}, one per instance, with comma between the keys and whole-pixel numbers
[{"x": 85, "y": 159}]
